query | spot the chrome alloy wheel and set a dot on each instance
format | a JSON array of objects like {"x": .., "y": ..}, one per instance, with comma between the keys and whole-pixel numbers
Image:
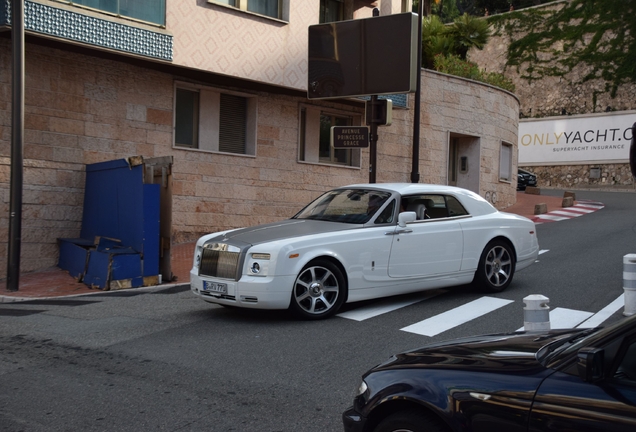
[
  {"x": 316, "y": 290},
  {"x": 498, "y": 266}
]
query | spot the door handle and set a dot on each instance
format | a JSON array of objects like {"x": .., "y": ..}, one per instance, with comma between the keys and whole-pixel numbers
[{"x": 402, "y": 231}]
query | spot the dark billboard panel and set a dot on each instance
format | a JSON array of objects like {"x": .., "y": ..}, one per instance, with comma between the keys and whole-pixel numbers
[{"x": 370, "y": 56}]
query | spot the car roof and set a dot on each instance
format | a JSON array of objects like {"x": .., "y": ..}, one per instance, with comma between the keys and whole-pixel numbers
[
  {"x": 474, "y": 202},
  {"x": 409, "y": 188}
]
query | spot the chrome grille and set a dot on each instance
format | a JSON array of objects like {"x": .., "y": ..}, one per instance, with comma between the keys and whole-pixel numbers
[{"x": 219, "y": 263}]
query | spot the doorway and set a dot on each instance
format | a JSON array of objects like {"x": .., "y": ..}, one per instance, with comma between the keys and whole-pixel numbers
[{"x": 464, "y": 162}]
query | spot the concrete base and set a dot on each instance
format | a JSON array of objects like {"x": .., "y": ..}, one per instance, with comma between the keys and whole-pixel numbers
[{"x": 540, "y": 208}]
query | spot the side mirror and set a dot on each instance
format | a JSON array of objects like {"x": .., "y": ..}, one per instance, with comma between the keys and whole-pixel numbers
[
  {"x": 591, "y": 364},
  {"x": 406, "y": 217}
]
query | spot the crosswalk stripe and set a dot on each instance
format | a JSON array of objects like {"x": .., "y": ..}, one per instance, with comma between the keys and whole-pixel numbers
[
  {"x": 542, "y": 251},
  {"x": 601, "y": 316},
  {"x": 384, "y": 306},
  {"x": 457, "y": 316},
  {"x": 561, "y": 318}
]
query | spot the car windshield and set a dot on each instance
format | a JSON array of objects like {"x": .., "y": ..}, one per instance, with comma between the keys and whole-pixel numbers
[{"x": 355, "y": 206}]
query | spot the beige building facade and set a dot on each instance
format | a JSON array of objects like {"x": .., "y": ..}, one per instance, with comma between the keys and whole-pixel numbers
[{"x": 224, "y": 69}]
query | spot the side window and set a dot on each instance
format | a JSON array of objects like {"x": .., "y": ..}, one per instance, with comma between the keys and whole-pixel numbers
[
  {"x": 626, "y": 370},
  {"x": 387, "y": 215},
  {"x": 432, "y": 206},
  {"x": 454, "y": 207},
  {"x": 207, "y": 119}
]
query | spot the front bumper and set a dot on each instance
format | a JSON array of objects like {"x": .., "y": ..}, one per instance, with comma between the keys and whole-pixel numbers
[
  {"x": 248, "y": 292},
  {"x": 353, "y": 421}
]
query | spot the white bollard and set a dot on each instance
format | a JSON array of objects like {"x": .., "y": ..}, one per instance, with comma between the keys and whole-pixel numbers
[
  {"x": 629, "y": 284},
  {"x": 536, "y": 313}
]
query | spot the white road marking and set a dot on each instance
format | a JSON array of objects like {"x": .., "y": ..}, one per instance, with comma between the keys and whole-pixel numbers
[
  {"x": 384, "y": 306},
  {"x": 591, "y": 206},
  {"x": 457, "y": 316},
  {"x": 563, "y": 318},
  {"x": 550, "y": 217},
  {"x": 566, "y": 213},
  {"x": 601, "y": 316},
  {"x": 542, "y": 251}
]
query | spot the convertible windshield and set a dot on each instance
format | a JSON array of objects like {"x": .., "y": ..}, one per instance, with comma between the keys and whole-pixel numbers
[{"x": 355, "y": 206}]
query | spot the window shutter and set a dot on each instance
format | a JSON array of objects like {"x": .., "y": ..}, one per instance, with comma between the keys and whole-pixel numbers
[{"x": 233, "y": 119}]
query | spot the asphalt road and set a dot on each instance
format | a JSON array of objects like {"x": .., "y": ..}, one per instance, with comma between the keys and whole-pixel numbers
[{"x": 168, "y": 361}]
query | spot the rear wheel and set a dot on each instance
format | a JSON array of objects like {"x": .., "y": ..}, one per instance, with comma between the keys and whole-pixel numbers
[
  {"x": 319, "y": 290},
  {"x": 496, "y": 267},
  {"x": 409, "y": 421}
]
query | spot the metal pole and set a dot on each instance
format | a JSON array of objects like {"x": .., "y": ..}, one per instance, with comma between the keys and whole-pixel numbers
[
  {"x": 17, "y": 134},
  {"x": 415, "y": 162},
  {"x": 373, "y": 139}
]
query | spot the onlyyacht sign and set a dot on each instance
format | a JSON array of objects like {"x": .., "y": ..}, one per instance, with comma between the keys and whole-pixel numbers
[{"x": 589, "y": 138}]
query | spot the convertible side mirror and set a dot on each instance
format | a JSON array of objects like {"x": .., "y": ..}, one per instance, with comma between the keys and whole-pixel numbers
[
  {"x": 406, "y": 217},
  {"x": 591, "y": 364}
]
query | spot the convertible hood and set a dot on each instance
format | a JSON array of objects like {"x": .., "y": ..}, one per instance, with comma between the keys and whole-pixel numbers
[
  {"x": 281, "y": 230},
  {"x": 517, "y": 351}
]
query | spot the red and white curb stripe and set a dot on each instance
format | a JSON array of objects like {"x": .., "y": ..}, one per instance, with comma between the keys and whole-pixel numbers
[{"x": 582, "y": 207}]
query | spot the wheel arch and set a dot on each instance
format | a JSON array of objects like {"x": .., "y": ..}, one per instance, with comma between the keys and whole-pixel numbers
[
  {"x": 332, "y": 259},
  {"x": 396, "y": 405},
  {"x": 506, "y": 240}
]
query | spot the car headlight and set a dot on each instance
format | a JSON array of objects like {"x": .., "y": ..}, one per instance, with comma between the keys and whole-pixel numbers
[
  {"x": 258, "y": 264},
  {"x": 197, "y": 256},
  {"x": 362, "y": 388}
]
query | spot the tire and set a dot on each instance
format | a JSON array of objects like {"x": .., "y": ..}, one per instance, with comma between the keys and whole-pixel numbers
[
  {"x": 318, "y": 291},
  {"x": 496, "y": 267},
  {"x": 409, "y": 421}
]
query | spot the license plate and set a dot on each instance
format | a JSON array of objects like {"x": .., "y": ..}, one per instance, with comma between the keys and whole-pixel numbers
[{"x": 215, "y": 287}]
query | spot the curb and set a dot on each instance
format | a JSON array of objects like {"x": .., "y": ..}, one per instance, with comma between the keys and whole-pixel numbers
[
  {"x": 582, "y": 207},
  {"x": 14, "y": 299}
]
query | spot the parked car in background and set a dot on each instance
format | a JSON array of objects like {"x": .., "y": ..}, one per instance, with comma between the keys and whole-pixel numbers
[
  {"x": 525, "y": 178},
  {"x": 361, "y": 242},
  {"x": 559, "y": 380}
]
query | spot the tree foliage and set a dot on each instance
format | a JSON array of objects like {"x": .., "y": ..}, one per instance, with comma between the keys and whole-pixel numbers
[
  {"x": 466, "y": 32},
  {"x": 597, "y": 34}
]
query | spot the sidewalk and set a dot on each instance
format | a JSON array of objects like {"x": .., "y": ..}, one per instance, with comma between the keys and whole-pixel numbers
[{"x": 54, "y": 282}]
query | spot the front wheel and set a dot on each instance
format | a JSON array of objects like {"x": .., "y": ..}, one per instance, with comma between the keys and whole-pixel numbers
[
  {"x": 496, "y": 267},
  {"x": 319, "y": 290},
  {"x": 409, "y": 421}
]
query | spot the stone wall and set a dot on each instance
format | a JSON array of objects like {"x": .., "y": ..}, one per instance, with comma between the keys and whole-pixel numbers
[
  {"x": 607, "y": 176},
  {"x": 556, "y": 96}
]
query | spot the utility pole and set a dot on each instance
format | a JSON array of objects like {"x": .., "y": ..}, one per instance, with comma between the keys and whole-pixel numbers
[
  {"x": 17, "y": 139},
  {"x": 415, "y": 160}
]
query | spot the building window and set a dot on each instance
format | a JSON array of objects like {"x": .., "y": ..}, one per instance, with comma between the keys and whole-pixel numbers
[
  {"x": 278, "y": 9},
  {"x": 315, "y": 137},
  {"x": 186, "y": 125},
  {"x": 331, "y": 11},
  {"x": 153, "y": 11},
  {"x": 207, "y": 119},
  {"x": 505, "y": 162}
]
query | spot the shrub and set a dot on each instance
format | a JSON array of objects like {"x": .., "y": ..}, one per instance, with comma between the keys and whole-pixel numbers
[{"x": 453, "y": 65}]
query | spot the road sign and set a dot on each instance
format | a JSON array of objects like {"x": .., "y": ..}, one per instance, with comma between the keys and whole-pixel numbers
[{"x": 346, "y": 137}]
